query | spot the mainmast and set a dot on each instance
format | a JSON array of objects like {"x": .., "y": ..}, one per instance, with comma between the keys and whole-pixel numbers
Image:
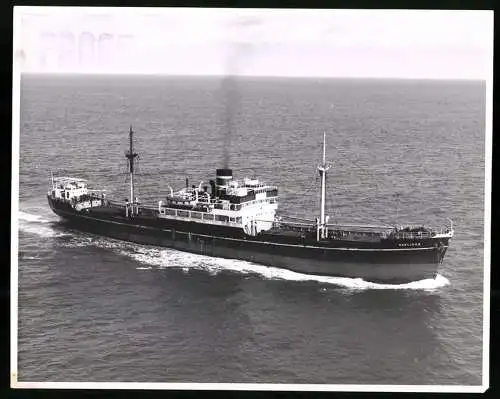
[
  {"x": 131, "y": 155},
  {"x": 322, "y": 228}
]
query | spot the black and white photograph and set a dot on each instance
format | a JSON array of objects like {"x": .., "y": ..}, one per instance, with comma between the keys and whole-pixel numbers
[{"x": 251, "y": 199}]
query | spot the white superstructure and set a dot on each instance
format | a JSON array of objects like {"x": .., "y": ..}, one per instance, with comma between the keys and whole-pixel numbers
[
  {"x": 248, "y": 204},
  {"x": 75, "y": 191}
]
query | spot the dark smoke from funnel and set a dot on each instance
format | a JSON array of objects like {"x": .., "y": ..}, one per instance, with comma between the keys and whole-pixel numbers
[
  {"x": 231, "y": 107},
  {"x": 230, "y": 93}
]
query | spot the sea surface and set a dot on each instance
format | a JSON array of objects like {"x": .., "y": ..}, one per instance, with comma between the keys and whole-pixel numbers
[{"x": 95, "y": 309}]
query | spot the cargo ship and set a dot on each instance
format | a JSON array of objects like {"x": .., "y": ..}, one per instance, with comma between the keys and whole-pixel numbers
[{"x": 237, "y": 219}]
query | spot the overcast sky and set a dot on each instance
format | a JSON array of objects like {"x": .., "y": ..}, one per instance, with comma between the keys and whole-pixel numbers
[{"x": 337, "y": 43}]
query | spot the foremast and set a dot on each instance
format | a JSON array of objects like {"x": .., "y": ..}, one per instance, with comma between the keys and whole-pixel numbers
[
  {"x": 131, "y": 155},
  {"x": 322, "y": 228}
]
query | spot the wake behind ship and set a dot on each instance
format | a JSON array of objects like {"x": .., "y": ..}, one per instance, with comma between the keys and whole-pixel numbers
[{"x": 238, "y": 220}]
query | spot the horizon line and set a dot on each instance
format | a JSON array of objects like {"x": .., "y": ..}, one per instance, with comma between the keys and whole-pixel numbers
[{"x": 160, "y": 74}]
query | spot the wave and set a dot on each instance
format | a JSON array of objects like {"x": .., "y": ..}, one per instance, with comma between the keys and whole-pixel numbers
[
  {"x": 42, "y": 231},
  {"x": 38, "y": 225},
  {"x": 170, "y": 258},
  {"x": 29, "y": 217},
  {"x": 164, "y": 258},
  {"x": 24, "y": 257}
]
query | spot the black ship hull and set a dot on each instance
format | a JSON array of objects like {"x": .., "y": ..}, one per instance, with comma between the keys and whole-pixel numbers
[{"x": 388, "y": 262}]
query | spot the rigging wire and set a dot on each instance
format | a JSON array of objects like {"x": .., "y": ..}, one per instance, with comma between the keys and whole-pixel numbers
[
  {"x": 377, "y": 188},
  {"x": 378, "y": 185},
  {"x": 312, "y": 182}
]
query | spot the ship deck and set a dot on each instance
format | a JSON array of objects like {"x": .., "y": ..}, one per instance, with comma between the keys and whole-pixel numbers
[
  {"x": 119, "y": 211},
  {"x": 148, "y": 216}
]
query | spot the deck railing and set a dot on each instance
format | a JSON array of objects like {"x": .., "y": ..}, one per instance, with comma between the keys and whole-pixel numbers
[
  {"x": 413, "y": 235},
  {"x": 383, "y": 231},
  {"x": 185, "y": 214},
  {"x": 116, "y": 204},
  {"x": 420, "y": 234}
]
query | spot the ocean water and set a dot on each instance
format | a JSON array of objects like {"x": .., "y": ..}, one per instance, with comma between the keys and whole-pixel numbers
[{"x": 96, "y": 309}]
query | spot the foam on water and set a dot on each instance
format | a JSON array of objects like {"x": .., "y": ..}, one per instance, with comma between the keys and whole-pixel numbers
[
  {"x": 38, "y": 225},
  {"x": 29, "y": 217},
  {"x": 162, "y": 258},
  {"x": 171, "y": 258},
  {"x": 45, "y": 232}
]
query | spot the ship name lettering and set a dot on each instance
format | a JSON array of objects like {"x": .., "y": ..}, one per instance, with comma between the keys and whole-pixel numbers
[{"x": 410, "y": 244}]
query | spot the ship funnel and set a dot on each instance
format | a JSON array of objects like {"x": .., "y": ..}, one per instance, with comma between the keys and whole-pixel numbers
[{"x": 223, "y": 177}]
